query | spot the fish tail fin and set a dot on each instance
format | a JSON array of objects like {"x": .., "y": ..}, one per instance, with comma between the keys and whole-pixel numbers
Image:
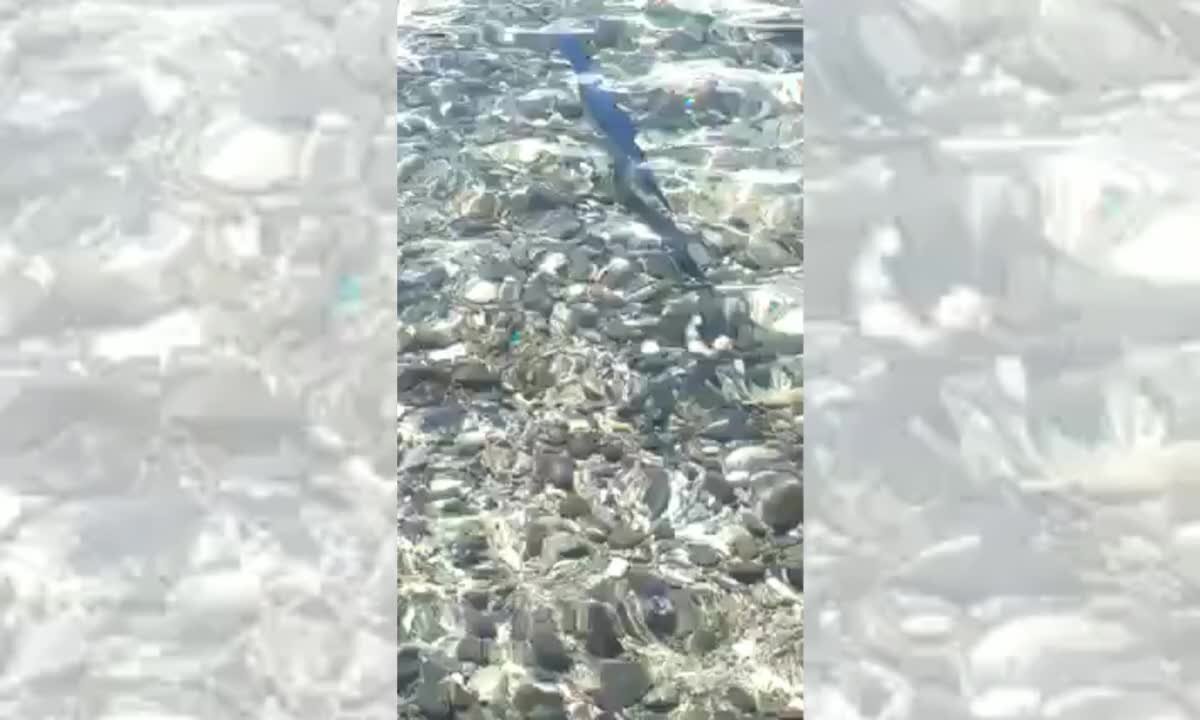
[{"x": 648, "y": 182}]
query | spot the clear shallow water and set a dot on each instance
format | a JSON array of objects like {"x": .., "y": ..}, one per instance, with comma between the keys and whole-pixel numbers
[
  {"x": 600, "y": 476},
  {"x": 1001, "y": 360},
  {"x": 196, "y": 444}
]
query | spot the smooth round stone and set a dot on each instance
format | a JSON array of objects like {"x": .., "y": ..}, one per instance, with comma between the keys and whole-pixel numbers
[
  {"x": 510, "y": 291},
  {"x": 535, "y": 537},
  {"x": 420, "y": 279},
  {"x": 756, "y": 526},
  {"x": 612, "y": 451},
  {"x": 433, "y": 700},
  {"x": 746, "y": 571},
  {"x": 717, "y": 486},
  {"x": 564, "y": 320},
  {"x": 482, "y": 292},
  {"x": 408, "y": 666},
  {"x": 618, "y": 273},
  {"x": 743, "y": 461},
  {"x": 555, "y": 469},
  {"x": 703, "y": 555},
  {"x": 444, "y": 487},
  {"x": 472, "y": 649},
  {"x": 783, "y": 507},
  {"x": 624, "y": 537},
  {"x": 573, "y": 506},
  {"x": 741, "y": 699},
  {"x": 537, "y": 294},
  {"x": 554, "y": 433},
  {"x": 657, "y": 495},
  {"x": 475, "y": 374},
  {"x": 622, "y": 683},
  {"x": 564, "y": 546},
  {"x": 602, "y": 639},
  {"x": 744, "y": 544},
  {"x": 660, "y": 614},
  {"x": 538, "y": 701},
  {"x": 662, "y": 697},
  {"x": 549, "y": 652},
  {"x": 581, "y": 444}
]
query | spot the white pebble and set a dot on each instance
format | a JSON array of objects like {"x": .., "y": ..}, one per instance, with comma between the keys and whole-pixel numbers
[{"x": 482, "y": 292}]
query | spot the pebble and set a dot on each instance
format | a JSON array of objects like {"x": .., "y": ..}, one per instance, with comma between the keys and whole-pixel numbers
[
  {"x": 482, "y": 292},
  {"x": 612, "y": 451},
  {"x": 660, "y": 615},
  {"x": 475, "y": 375},
  {"x": 548, "y": 649},
  {"x": 703, "y": 555},
  {"x": 472, "y": 649},
  {"x": 703, "y": 641},
  {"x": 480, "y": 624},
  {"x": 783, "y": 507},
  {"x": 657, "y": 495},
  {"x": 663, "y": 697},
  {"x": 743, "y": 544},
  {"x": 746, "y": 571},
  {"x": 535, "y": 536},
  {"x": 432, "y": 698},
  {"x": 602, "y": 639},
  {"x": 754, "y": 525},
  {"x": 538, "y": 701},
  {"x": 741, "y": 463},
  {"x": 573, "y": 506},
  {"x": 555, "y": 469},
  {"x": 622, "y": 683},
  {"x": 792, "y": 562},
  {"x": 741, "y": 699},
  {"x": 489, "y": 685},
  {"x": 624, "y": 537},
  {"x": 554, "y": 433},
  {"x": 718, "y": 487},
  {"x": 581, "y": 444},
  {"x": 564, "y": 546}
]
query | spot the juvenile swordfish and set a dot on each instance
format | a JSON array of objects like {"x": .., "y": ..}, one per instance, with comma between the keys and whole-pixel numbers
[{"x": 600, "y": 106}]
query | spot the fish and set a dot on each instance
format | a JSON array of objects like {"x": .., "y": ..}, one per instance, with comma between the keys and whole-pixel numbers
[{"x": 613, "y": 123}]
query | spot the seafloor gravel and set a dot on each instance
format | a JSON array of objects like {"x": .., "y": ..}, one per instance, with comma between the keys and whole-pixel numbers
[{"x": 600, "y": 459}]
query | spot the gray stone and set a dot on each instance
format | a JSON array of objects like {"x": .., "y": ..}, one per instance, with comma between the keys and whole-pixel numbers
[
  {"x": 741, "y": 699},
  {"x": 746, "y": 571},
  {"x": 783, "y": 507},
  {"x": 622, "y": 683},
  {"x": 537, "y": 701},
  {"x": 662, "y": 697},
  {"x": 624, "y": 537},
  {"x": 555, "y": 469},
  {"x": 549, "y": 652},
  {"x": 564, "y": 546},
  {"x": 573, "y": 506},
  {"x": 657, "y": 495},
  {"x": 602, "y": 639},
  {"x": 703, "y": 555},
  {"x": 581, "y": 444}
]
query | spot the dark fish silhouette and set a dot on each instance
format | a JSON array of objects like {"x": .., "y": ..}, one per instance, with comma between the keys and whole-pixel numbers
[{"x": 615, "y": 125}]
